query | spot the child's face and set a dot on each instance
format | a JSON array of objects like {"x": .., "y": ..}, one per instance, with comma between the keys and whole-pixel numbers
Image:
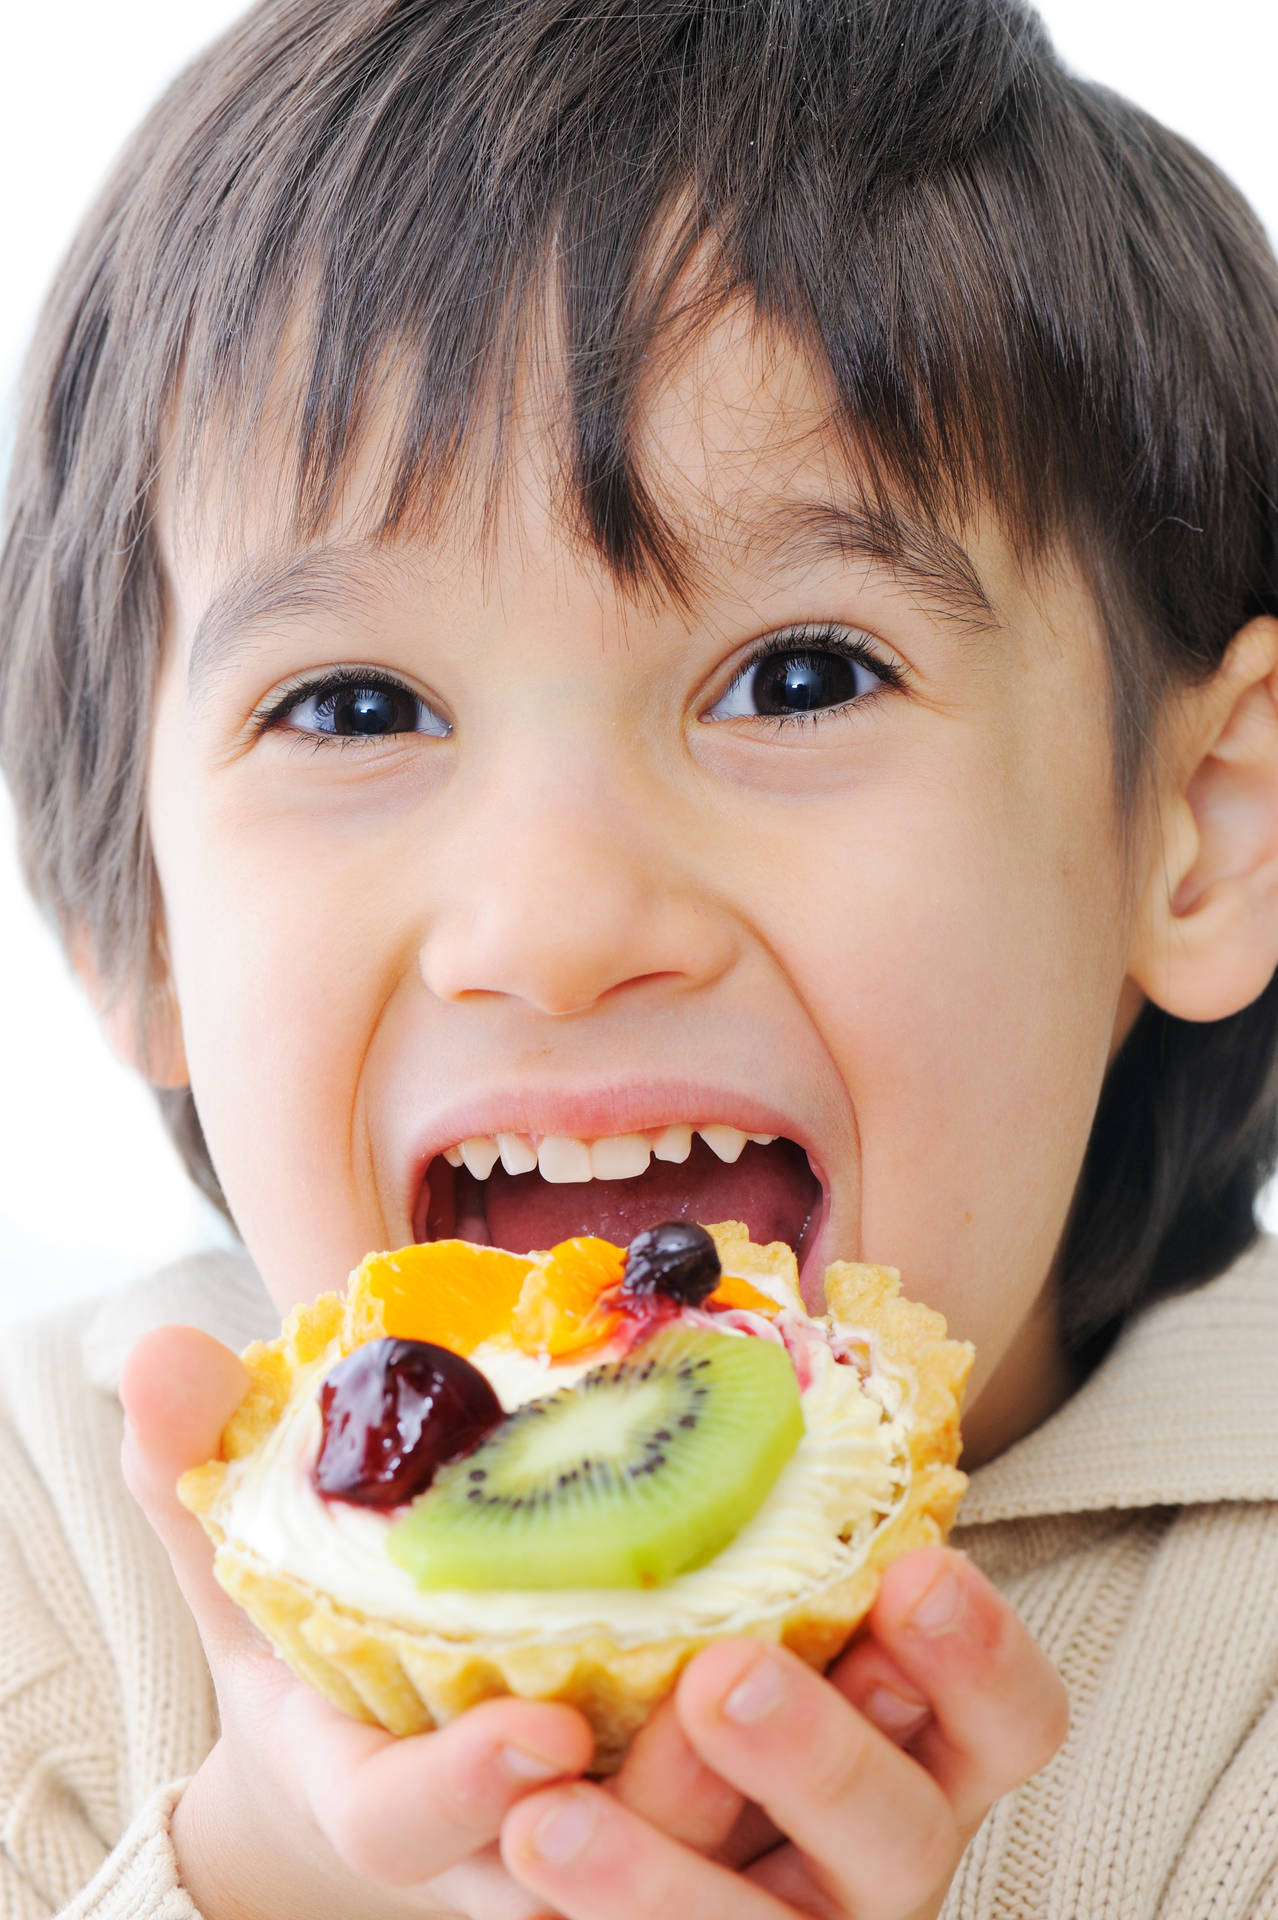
[{"x": 590, "y": 884}]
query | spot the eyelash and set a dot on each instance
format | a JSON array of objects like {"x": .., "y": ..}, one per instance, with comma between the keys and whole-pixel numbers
[
  {"x": 270, "y": 716},
  {"x": 825, "y": 638},
  {"x": 797, "y": 640}
]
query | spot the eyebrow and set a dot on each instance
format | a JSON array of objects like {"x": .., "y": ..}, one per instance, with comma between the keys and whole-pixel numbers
[
  {"x": 923, "y": 557},
  {"x": 338, "y": 583}
]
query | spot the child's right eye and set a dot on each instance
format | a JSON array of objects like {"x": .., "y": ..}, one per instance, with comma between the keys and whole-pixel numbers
[{"x": 352, "y": 704}]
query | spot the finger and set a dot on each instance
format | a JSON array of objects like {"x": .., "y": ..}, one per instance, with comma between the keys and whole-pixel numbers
[
  {"x": 999, "y": 1710},
  {"x": 871, "y": 1680},
  {"x": 401, "y": 1811},
  {"x": 877, "y": 1832},
  {"x": 482, "y": 1889},
  {"x": 752, "y": 1836},
  {"x": 590, "y": 1858},
  {"x": 665, "y": 1781},
  {"x": 179, "y": 1387}
]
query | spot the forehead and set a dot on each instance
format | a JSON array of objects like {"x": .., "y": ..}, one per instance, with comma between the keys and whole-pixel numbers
[{"x": 740, "y": 463}]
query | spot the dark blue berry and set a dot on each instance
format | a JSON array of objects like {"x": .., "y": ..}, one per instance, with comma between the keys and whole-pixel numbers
[{"x": 677, "y": 1260}]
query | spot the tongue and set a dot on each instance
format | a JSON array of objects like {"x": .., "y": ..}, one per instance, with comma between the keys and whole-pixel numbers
[{"x": 771, "y": 1188}]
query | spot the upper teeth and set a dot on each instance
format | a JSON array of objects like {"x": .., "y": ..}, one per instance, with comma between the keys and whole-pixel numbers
[{"x": 622, "y": 1156}]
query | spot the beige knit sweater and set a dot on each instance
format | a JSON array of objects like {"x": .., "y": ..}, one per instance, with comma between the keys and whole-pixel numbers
[{"x": 1136, "y": 1532}]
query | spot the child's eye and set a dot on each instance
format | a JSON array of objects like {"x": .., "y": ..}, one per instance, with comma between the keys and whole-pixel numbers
[
  {"x": 801, "y": 675},
  {"x": 355, "y": 705}
]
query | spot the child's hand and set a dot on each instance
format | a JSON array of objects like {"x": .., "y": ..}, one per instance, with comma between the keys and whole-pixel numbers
[
  {"x": 300, "y": 1809},
  {"x": 855, "y": 1825}
]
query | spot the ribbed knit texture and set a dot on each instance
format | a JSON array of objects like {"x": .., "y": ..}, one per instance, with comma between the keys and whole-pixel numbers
[
  {"x": 139, "y": 1878},
  {"x": 1136, "y": 1532}
]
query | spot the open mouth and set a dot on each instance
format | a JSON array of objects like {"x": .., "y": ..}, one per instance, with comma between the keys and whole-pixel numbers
[{"x": 525, "y": 1192}]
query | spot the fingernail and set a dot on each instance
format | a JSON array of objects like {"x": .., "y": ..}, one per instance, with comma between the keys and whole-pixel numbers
[
  {"x": 899, "y": 1719},
  {"x": 942, "y": 1607},
  {"x": 565, "y": 1832},
  {"x": 758, "y": 1695},
  {"x": 524, "y": 1766}
]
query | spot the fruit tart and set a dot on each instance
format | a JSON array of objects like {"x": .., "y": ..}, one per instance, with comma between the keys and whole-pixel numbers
[{"x": 560, "y": 1474}]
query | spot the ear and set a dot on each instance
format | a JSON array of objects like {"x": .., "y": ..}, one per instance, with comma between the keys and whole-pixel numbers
[
  {"x": 1206, "y": 940},
  {"x": 150, "y": 1041}
]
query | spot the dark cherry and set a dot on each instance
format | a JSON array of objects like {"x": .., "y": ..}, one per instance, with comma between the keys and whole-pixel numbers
[
  {"x": 677, "y": 1260},
  {"x": 394, "y": 1411}
]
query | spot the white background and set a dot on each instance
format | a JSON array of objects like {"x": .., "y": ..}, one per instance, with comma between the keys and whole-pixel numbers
[{"x": 90, "y": 1191}]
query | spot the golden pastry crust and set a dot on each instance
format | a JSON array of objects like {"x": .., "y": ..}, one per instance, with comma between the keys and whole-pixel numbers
[{"x": 409, "y": 1681}]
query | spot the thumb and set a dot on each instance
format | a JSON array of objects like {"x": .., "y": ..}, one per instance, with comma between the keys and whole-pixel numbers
[{"x": 179, "y": 1387}]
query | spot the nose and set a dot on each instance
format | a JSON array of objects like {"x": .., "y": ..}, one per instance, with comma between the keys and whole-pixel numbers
[{"x": 560, "y": 895}]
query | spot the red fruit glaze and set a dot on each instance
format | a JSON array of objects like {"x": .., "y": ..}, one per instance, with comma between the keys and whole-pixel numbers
[{"x": 393, "y": 1412}]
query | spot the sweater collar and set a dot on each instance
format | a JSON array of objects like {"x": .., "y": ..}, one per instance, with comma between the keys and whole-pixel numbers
[
  {"x": 218, "y": 1291},
  {"x": 1184, "y": 1410}
]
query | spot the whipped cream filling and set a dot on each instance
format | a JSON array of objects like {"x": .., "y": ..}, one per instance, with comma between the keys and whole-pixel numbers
[{"x": 848, "y": 1473}]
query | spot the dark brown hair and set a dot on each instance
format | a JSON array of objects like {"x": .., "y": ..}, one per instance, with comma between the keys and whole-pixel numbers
[{"x": 1014, "y": 285}]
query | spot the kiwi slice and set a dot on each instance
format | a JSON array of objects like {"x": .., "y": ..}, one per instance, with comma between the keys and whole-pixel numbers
[{"x": 644, "y": 1469}]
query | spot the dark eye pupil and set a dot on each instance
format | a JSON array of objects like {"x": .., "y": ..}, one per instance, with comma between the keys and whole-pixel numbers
[
  {"x": 373, "y": 710},
  {"x": 803, "y": 682}
]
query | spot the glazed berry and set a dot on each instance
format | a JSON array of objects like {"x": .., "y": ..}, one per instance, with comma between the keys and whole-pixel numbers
[
  {"x": 393, "y": 1412},
  {"x": 678, "y": 1261}
]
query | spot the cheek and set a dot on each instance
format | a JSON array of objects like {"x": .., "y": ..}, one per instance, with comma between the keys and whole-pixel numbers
[
  {"x": 283, "y": 956},
  {"x": 963, "y": 966}
]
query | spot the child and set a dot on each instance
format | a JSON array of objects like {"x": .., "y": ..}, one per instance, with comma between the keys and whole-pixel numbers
[{"x": 580, "y": 569}]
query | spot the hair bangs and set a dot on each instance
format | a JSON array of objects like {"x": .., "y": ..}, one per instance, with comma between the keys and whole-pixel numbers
[{"x": 443, "y": 234}]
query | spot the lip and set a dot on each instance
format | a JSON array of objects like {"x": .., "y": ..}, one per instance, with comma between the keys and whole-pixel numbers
[{"x": 595, "y": 1113}]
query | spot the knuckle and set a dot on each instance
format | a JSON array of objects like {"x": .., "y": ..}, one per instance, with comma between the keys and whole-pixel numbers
[
  {"x": 920, "y": 1839},
  {"x": 139, "y": 1477},
  {"x": 347, "y": 1831},
  {"x": 1040, "y": 1722},
  {"x": 837, "y": 1768},
  {"x": 464, "y": 1802},
  {"x": 1028, "y": 1743},
  {"x": 661, "y": 1894},
  {"x": 373, "y": 1846},
  {"x": 252, "y": 1685},
  {"x": 1053, "y": 1727},
  {"x": 242, "y": 1660},
  {"x": 936, "y": 1844},
  {"x": 366, "y": 1819},
  {"x": 915, "y": 1855}
]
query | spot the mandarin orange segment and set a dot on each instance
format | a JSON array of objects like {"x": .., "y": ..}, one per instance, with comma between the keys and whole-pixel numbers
[
  {"x": 559, "y": 1310},
  {"x": 732, "y": 1292},
  {"x": 446, "y": 1291}
]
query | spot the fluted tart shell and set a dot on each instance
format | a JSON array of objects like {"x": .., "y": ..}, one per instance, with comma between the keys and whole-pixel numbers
[{"x": 409, "y": 1680}]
